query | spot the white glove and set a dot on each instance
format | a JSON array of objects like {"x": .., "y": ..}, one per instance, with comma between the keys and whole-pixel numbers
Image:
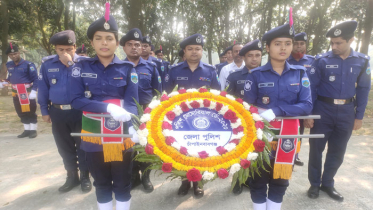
[
  {"x": 135, "y": 136},
  {"x": 268, "y": 115},
  {"x": 32, "y": 94},
  {"x": 118, "y": 113}
]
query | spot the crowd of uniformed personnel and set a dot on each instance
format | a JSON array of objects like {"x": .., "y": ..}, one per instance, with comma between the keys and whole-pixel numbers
[{"x": 334, "y": 85}]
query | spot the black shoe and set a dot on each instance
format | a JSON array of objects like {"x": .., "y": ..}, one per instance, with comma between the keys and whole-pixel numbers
[
  {"x": 184, "y": 188},
  {"x": 24, "y": 134},
  {"x": 298, "y": 162},
  {"x": 148, "y": 186},
  {"x": 72, "y": 181},
  {"x": 135, "y": 180},
  {"x": 33, "y": 134},
  {"x": 332, "y": 193},
  {"x": 237, "y": 188},
  {"x": 313, "y": 192},
  {"x": 197, "y": 190},
  {"x": 85, "y": 182}
]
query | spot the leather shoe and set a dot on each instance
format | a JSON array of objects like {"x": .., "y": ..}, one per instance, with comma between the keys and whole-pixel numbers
[
  {"x": 85, "y": 182},
  {"x": 313, "y": 192},
  {"x": 298, "y": 162},
  {"x": 237, "y": 188},
  {"x": 135, "y": 180},
  {"x": 25, "y": 133},
  {"x": 332, "y": 193},
  {"x": 33, "y": 134},
  {"x": 72, "y": 181},
  {"x": 184, "y": 188},
  {"x": 197, "y": 190},
  {"x": 145, "y": 180}
]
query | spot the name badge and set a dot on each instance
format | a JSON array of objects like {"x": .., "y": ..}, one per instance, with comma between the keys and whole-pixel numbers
[
  {"x": 268, "y": 84},
  {"x": 332, "y": 66},
  {"x": 307, "y": 66},
  {"x": 89, "y": 75},
  {"x": 241, "y": 81},
  {"x": 54, "y": 70},
  {"x": 182, "y": 78}
]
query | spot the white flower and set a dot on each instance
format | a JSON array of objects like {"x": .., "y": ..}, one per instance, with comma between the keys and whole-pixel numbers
[
  {"x": 213, "y": 152},
  {"x": 191, "y": 90},
  {"x": 175, "y": 93},
  {"x": 212, "y": 105},
  {"x": 239, "y": 135},
  {"x": 252, "y": 156},
  {"x": 144, "y": 132},
  {"x": 177, "y": 110},
  {"x": 237, "y": 123},
  {"x": 223, "y": 109},
  {"x": 259, "y": 133},
  {"x": 256, "y": 117},
  {"x": 230, "y": 146},
  {"x": 176, "y": 145},
  {"x": 268, "y": 136},
  {"x": 215, "y": 92},
  {"x": 200, "y": 101},
  {"x": 143, "y": 140},
  {"x": 207, "y": 176},
  {"x": 188, "y": 104},
  {"x": 228, "y": 96},
  {"x": 154, "y": 104},
  {"x": 166, "y": 119},
  {"x": 145, "y": 118},
  {"x": 167, "y": 133},
  {"x": 234, "y": 168},
  {"x": 246, "y": 106},
  {"x": 193, "y": 153}
]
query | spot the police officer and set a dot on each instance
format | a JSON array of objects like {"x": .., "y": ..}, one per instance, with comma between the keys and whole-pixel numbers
[
  {"x": 152, "y": 50},
  {"x": 222, "y": 57},
  {"x": 299, "y": 57},
  {"x": 95, "y": 80},
  {"x": 149, "y": 81},
  {"x": 82, "y": 51},
  {"x": 252, "y": 56},
  {"x": 341, "y": 82},
  {"x": 53, "y": 97},
  {"x": 159, "y": 53},
  {"x": 236, "y": 65},
  {"x": 280, "y": 89},
  {"x": 181, "y": 55},
  {"x": 229, "y": 59},
  {"x": 23, "y": 78},
  {"x": 192, "y": 73}
]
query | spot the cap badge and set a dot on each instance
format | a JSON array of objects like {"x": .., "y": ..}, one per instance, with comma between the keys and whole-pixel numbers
[
  {"x": 106, "y": 26},
  {"x": 305, "y": 37},
  {"x": 337, "y": 32},
  {"x": 137, "y": 35},
  {"x": 12, "y": 50},
  {"x": 291, "y": 31},
  {"x": 69, "y": 41},
  {"x": 147, "y": 39},
  {"x": 259, "y": 44},
  {"x": 198, "y": 40}
]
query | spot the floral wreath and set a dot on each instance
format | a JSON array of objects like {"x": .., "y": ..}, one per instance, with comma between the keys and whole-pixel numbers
[{"x": 240, "y": 157}]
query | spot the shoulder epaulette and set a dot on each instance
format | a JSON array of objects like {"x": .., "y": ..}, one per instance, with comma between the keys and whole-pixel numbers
[{"x": 48, "y": 58}]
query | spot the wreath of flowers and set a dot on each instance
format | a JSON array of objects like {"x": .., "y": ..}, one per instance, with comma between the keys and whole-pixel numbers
[{"x": 240, "y": 157}]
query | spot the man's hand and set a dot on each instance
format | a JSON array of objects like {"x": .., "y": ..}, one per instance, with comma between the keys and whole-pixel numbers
[
  {"x": 46, "y": 118},
  {"x": 308, "y": 123},
  {"x": 358, "y": 124},
  {"x": 65, "y": 58}
]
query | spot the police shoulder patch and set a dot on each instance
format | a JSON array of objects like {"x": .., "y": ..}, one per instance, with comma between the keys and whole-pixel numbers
[
  {"x": 134, "y": 78},
  {"x": 159, "y": 79},
  {"x": 368, "y": 70},
  {"x": 305, "y": 82}
]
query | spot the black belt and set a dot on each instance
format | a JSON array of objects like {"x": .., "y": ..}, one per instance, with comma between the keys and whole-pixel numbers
[
  {"x": 62, "y": 106},
  {"x": 335, "y": 101}
]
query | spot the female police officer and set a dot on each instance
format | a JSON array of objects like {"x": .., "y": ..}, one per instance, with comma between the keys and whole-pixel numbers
[{"x": 280, "y": 89}]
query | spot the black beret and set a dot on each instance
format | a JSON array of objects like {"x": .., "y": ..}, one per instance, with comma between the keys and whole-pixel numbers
[
  {"x": 253, "y": 45},
  {"x": 342, "y": 29},
  {"x": 279, "y": 31},
  {"x": 181, "y": 53},
  {"x": 11, "y": 48},
  {"x": 63, "y": 38},
  {"x": 158, "y": 51},
  {"x": 102, "y": 25},
  {"x": 195, "y": 39},
  {"x": 81, "y": 49},
  {"x": 301, "y": 37},
  {"x": 152, "y": 47},
  {"x": 146, "y": 40},
  {"x": 133, "y": 34},
  {"x": 222, "y": 54},
  {"x": 228, "y": 48}
]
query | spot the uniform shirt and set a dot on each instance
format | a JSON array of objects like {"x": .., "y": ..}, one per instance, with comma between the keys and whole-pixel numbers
[
  {"x": 237, "y": 81},
  {"x": 53, "y": 82},
  {"x": 306, "y": 61},
  {"x": 22, "y": 73},
  {"x": 161, "y": 67},
  {"x": 333, "y": 77},
  {"x": 288, "y": 94},
  {"x": 149, "y": 80},
  {"x": 181, "y": 75},
  {"x": 220, "y": 66},
  {"x": 226, "y": 71}
]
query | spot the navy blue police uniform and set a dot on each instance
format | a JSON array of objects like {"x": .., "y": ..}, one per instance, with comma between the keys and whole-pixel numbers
[{"x": 81, "y": 50}]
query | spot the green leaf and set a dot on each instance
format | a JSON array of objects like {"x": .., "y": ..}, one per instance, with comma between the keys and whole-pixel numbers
[
  {"x": 175, "y": 88},
  {"x": 159, "y": 95},
  {"x": 234, "y": 180},
  {"x": 140, "y": 110}
]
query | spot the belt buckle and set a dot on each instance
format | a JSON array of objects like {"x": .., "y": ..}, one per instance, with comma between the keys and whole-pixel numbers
[
  {"x": 339, "y": 101},
  {"x": 65, "y": 107}
]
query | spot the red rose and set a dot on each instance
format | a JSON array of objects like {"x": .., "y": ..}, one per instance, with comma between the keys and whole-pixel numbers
[
  {"x": 181, "y": 91},
  {"x": 222, "y": 173},
  {"x": 170, "y": 140},
  {"x": 237, "y": 130},
  {"x": 193, "y": 175},
  {"x": 167, "y": 167},
  {"x": 183, "y": 150},
  {"x": 194, "y": 104},
  {"x": 203, "y": 154},
  {"x": 164, "y": 97},
  {"x": 184, "y": 107},
  {"x": 166, "y": 125},
  {"x": 239, "y": 100},
  {"x": 229, "y": 115},
  {"x": 218, "y": 106},
  {"x": 259, "y": 145},
  {"x": 202, "y": 90},
  {"x": 253, "y": 109},
  {"x": 206, "y": 103},
  {"x": 245, "y": 163},
  {"x": 234, "y": 120},
  {"x": 223, "y": 93},
  {"x": 171, "y": 115},
  {"x": 235, "y": 141},
  {"x": 149, "y": 149},
  {"x": 259, "y": 124},
  {"x": 147, "y": 110},
  {"x": 142, "y": 126},
  {"x": 221, "y": 150}
]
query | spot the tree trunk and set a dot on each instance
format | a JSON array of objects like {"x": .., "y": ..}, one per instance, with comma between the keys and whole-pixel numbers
[
  {"x": 67, "y": 12},
  {"x": 209, "y": 52},
  {"x": 74, "y": 17},
  {"x": 59, "y": 14},
  {"x": 134, "y": 13},
  {"x": 367, "y": 28},
  {"x": 4, "y": 36}
]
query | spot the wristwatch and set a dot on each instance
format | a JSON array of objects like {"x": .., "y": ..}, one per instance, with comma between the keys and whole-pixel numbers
[{"x": 70, "y": 63}]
